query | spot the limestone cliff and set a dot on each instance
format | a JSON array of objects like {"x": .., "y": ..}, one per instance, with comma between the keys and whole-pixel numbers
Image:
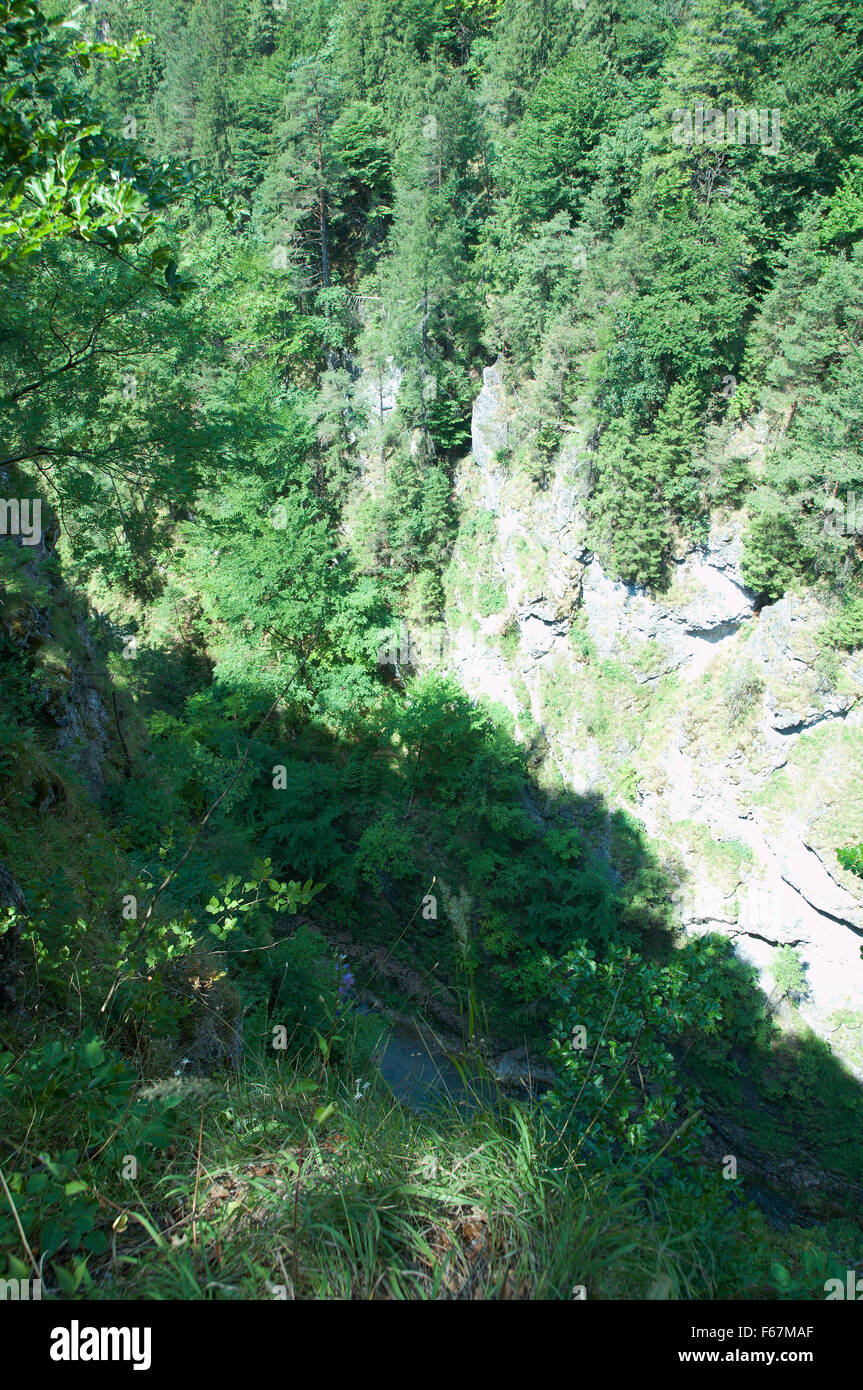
[{"x": 730, "y": 733}]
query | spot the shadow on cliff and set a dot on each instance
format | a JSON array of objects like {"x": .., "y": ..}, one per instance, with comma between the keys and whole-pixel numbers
[{"x": 456, "y": 878}]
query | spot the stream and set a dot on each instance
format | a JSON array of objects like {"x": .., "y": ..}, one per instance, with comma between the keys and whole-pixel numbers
[{"x": 424, "y": 1076}]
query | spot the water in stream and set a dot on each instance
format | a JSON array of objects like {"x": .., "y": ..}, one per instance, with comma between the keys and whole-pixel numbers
[{"x": 424, "y": 1076}]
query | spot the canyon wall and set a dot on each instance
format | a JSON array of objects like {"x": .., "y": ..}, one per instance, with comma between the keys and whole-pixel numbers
[{"x": 729, "y": 733}]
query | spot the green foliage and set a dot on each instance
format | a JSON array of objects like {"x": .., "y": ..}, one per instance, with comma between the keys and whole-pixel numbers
[
  {"x": 83, "y": 1092},
  {"x": 846, "y": 628},
  {"x": 805, "y": 344},
  {"x": 620, "y": 1017},
  {"x": 744, "y": 688},
  {"x": 670, "y": 451},
  {"x": 549, "y": 164},
  {"x": 253, "y": 471},
  {"x": 788, "y": 972},
  {"x": 61, "y": 173},
  {"x": 492, "y": 599},
  {"x": 810, "y": 1279},
  {"x": 851, "y": 858},
  {"x": 629, "y": 513}
]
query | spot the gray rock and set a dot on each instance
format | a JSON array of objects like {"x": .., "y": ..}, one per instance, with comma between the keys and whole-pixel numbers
[
  {"x": 11, "y": 895},
  {"x": 518, "y": 1068},
  {"x": 82, "y": 720},
  {"x": 784, "y": 646},
  {"x": 489, "y": 422},
  {"x": 729, "y": 796}
]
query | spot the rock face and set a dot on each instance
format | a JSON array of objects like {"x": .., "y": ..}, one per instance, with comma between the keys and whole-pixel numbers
[
  {"x": 82, "y": 720},
  {"x": 724, "y": 730},
  {"x": 66, "y": 697},
  {"x": 489, "y": 429},
  {"x": 708, "y": 602},
  {"x": 12, "y": 896}
]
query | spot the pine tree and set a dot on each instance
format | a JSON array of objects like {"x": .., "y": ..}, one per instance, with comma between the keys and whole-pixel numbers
[
  {"x": 548, "y": 168},
  {"x": 426, "y": 317},
  {"x": 719, "y": 55},
  {"x": 262, "y": 28},
  {"x": 305, "y": 180},
  {"x": 628, "y": 513},
  {"x": 529, "y": 35},
  {"x": 671, "y": 451}
]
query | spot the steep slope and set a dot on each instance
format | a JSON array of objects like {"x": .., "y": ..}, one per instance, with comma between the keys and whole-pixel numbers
[{"x": 725, "y": 730}]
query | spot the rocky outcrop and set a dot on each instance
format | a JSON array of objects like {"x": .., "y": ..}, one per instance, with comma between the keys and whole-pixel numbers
[
  {"x": 723, "y": 729},
  {"x": 797, "y": 694},
  {"x": 55, "y": 653},
  {"x": 490, "y": 421},
  {"x": 78, "y": 711},
  {"x": 11, "y": 896},
  {"x": 706, "y": 603},
  {"x": 519, "y": 1070}
]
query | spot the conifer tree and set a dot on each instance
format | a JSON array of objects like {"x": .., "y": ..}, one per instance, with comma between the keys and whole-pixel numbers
[{"x": 671, "y": 452}]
